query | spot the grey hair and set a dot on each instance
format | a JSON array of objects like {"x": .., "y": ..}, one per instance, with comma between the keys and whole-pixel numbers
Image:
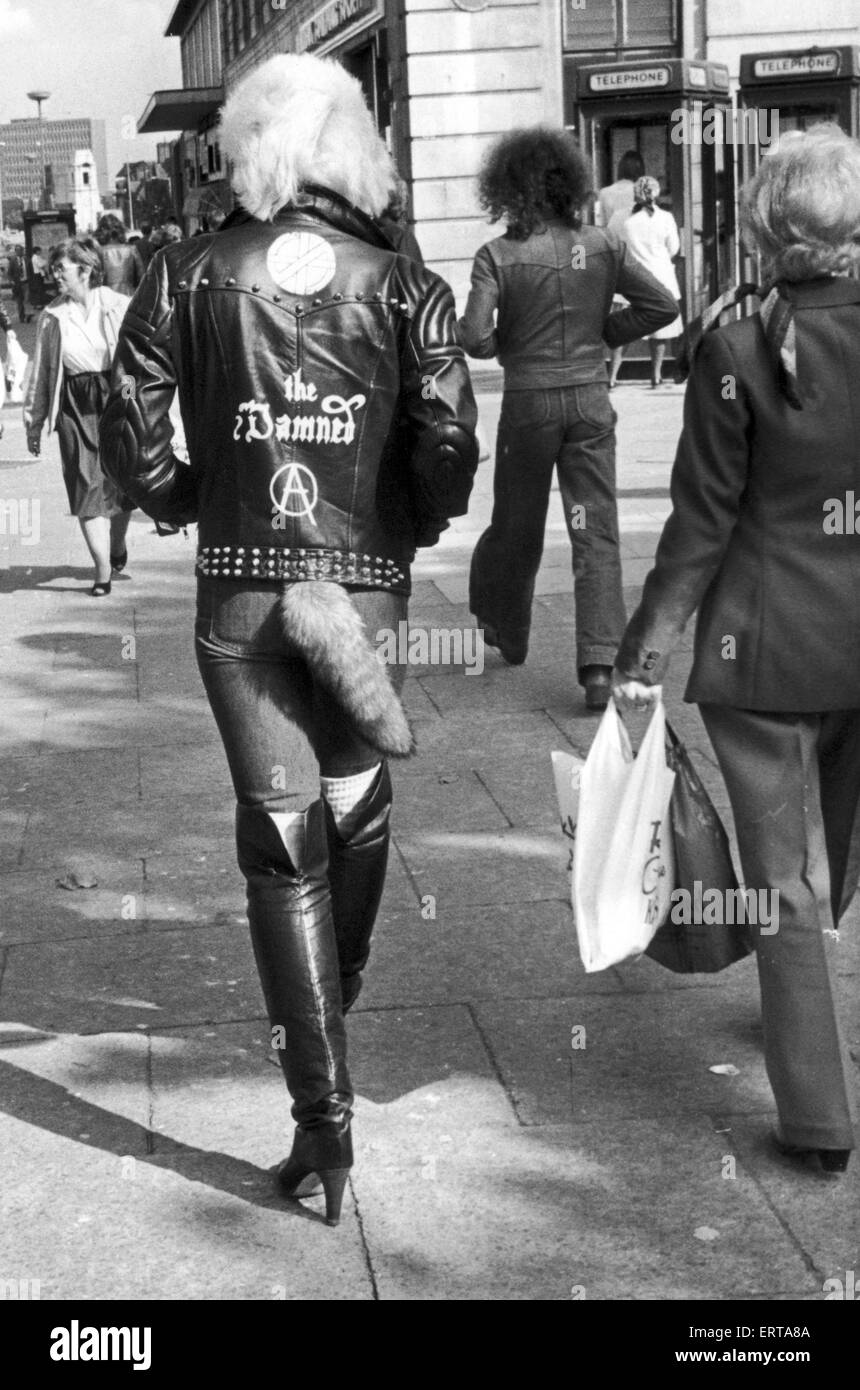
[
  {"x": 297, "y": 119},
  {"x": 802, "y": 209}
]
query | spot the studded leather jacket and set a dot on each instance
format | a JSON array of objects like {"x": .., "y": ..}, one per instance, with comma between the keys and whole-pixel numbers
[{"x": 327, "y": 408}]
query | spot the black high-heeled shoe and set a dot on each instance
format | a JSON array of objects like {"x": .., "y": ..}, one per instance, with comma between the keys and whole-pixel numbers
[
  {"x": 100, "y": 589},
  {"x": 325, "y": 1151},
  {"x": 119, "y": 562},
  {"x": 823, "y": 1160}
]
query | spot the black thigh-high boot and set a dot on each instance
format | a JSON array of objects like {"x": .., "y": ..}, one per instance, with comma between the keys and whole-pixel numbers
[
  {"x": 356, "y": 874},
  {"x": 283, "y": 857}
]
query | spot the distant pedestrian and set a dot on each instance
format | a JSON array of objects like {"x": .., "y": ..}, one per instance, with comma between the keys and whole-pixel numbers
[
  {"x": 123, "y": 266},
  {"x": 38, "y": 269},
  {"x": 18, "y": 278},
  {"x": 618, "y": 198},
  {"x": 761, "y": 541},
  {"x": 172, "y": 231},
  {"x": 5, "y": 327},
  {"x": 540, "y": 302},
  {"x": 145, "y": 248},
  {"x": 68, "y": 389},
  {"x": 651, "y": 234}
]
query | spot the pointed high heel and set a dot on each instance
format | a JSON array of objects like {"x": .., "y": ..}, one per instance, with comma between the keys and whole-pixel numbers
[
  {"x": 100, "y": 589},
  {"x": 326, "y": 1152},
  {"x": 118, "y": 562}
]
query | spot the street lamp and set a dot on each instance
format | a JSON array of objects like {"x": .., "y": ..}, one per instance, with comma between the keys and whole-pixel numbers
[{"x": 39, "y": 97}]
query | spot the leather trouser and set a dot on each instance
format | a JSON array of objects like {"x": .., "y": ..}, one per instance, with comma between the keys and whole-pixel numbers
[{"x": 283, "y": 857}]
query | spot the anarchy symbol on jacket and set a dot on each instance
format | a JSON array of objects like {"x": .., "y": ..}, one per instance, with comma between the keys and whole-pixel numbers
[{"x": 297, "y": 497}]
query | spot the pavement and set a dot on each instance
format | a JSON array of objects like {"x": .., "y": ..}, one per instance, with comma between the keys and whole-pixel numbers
[{"x": 497, "y": 1157}]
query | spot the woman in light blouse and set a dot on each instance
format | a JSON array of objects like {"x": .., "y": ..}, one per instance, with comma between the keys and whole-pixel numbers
[{"x": 68, "y": 390}]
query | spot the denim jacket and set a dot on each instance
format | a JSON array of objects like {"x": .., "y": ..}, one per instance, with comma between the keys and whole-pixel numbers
[{"x": 551, "y": 296}]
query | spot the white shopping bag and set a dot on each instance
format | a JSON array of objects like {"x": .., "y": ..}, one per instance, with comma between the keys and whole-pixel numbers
[
  {"x": 567, "y": 771},
  {"x": 623, "y": 865}
]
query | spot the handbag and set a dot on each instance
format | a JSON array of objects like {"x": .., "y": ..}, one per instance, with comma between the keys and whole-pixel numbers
[{"x": 706, "y": 886}]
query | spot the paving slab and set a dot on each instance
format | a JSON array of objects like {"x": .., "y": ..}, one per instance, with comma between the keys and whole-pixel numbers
[
  {"x": 598, "y": 1211},
  {"x": 184, "y": 1224},
  {"x": 458, "y": 800},
  {"x": 143, "y": 979},
  {"x": 34, "y": 908},
  {"x": 475, "y": 868},
  {"x": 130, "y": 827},
  {"x": 520, "y": 951},
  {"x": 588, "y": 1057}
]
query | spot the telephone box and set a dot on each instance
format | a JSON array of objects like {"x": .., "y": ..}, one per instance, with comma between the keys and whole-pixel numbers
[
  {"x": 677, "y": 114},
  {"x": 793, "y": 89},
  {"x": 45, "y": 230}
]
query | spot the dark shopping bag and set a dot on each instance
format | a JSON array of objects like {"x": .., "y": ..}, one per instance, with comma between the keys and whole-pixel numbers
[{"x": 703, "y": 861}]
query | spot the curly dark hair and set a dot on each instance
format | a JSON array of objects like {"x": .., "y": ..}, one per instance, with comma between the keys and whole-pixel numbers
[
  {"x": 533, "y": 174},
  {"x": 110, "y": 231}
]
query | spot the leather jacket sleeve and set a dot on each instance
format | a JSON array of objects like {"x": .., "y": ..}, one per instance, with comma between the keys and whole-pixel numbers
[
  {"x": 136, "y": 430},
  {"x": 42, "y": 375},
  {"x": 651, "y": 305},
  {"x": 438, "y": 407},
  {"x": 477, "y": 328}
]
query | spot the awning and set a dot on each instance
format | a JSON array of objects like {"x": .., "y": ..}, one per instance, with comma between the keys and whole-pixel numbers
[{"x": 182, "y": 109}]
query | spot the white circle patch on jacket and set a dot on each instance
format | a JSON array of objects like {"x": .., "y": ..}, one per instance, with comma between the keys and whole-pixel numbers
[{"x": 300, "y": 262}]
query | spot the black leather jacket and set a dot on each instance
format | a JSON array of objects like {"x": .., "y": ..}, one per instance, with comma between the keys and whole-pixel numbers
[
  {"x": 327, "y": 407},
  {"x": 551, "y": 296}
]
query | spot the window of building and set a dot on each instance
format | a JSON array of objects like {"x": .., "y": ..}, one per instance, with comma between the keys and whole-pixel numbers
[{"x": 592, "y": 25}]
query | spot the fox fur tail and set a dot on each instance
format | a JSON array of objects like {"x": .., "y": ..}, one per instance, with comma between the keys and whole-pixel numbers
[{"x": 319, "y": 618}]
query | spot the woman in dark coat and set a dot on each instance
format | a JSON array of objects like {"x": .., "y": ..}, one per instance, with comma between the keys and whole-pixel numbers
[{"x": 762, "y": 540}]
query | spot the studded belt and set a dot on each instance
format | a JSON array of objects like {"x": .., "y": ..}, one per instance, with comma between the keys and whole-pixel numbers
[{"x": 279, "y": 564}]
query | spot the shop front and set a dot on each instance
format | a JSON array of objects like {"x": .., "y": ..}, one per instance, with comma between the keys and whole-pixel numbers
[{"x": 677, "y": 115}]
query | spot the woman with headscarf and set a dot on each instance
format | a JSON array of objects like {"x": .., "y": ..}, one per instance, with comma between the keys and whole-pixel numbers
[
  {"x": 330, "y": 430},
  {"x": 651, "y": 235},
  {"x": 762, "y": 541}
]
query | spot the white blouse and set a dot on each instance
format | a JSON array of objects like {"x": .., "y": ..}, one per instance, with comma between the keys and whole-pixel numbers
[
  {"x": 84, "y": 342},
  {"x": 653, "y": 241}
]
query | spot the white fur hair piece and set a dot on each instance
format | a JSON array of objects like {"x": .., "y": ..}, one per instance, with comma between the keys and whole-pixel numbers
[
  {"x": 298, "y": 119},
  {"x": 319, "y": 618}
]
